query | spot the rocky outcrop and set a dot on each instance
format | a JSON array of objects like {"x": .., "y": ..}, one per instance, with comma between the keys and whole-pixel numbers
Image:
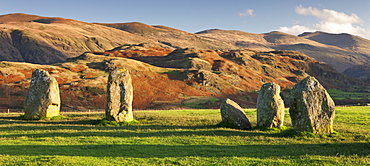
[
  {"x": 233, "y": 114},
  {"x": 119, "y": 96},
  {"x": 270, "y": 106},
  {"x": 43, "y": 98},
  {"x": 189, "y": 63},
  {"x": 311, "y": 107}
]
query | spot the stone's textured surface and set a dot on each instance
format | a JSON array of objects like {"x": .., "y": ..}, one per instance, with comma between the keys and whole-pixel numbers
[
  {"x": 270, "y": 106},
  {"x": 311, "y": 107},
  {"x": 232, "y": 113},
  {"x": 43, "y": 98},
  {"x": 119, "y": 96}
]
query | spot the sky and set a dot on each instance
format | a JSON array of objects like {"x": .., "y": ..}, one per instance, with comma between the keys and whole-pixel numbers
[{"x": 253, "y": 16}]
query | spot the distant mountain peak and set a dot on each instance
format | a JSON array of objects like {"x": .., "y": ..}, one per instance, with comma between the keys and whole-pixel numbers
[
  {"x": 21, "y": 17},
  {"x": 18, "y": 17},
  {"x": 343, "y": 40},
  {"x": 305, "y": 34},
  {"x": 208, "y": 31},
  {"x": 277, "y": 32}
]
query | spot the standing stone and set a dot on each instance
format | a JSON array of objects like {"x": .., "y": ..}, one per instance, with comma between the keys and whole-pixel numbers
[
  {"x": 270, "y": 106},
  {"x": 233, "y": 114},
  {"x": 119, "y": 96},
  {"x": 311, "y": 107},
  {"x": 43, "y": 98}
]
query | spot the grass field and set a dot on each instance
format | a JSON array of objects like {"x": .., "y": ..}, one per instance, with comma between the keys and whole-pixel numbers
[
  {"x": 340, "y": 94},
  {"x": 180, "y": 137}
]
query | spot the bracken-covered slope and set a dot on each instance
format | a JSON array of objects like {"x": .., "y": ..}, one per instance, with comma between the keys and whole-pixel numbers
[
  {"x": 46, "y": 40},
  {"x": 165, "y": 78}
]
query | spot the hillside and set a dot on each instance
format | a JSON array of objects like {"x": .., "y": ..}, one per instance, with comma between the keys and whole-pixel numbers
[
  {"x": 359, "y": 71},
  {"x": 172, "y": 37},
  {"x": 46, "y": 40},
  {"x": 172, "y": 68},
  {"x": 340, "y": 55},
  {"x": 167, "y": 78},
  {"x": 337, "y": 55},
  {"x": 357, "y": 47}
]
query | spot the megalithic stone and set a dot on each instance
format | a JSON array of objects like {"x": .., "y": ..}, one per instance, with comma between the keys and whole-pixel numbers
[
  {"x": 119, "y": 96},
  {"x": 311, "y": 107},
  {"x": 270, "y": 106},
  {"x": 233, "y": 114},
  {"x": 43, "y": 97}
]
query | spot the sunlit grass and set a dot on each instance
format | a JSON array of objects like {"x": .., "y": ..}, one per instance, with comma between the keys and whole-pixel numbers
[
  {"x": 180, "y": 137},
  {"x": 340, "y": 94}
]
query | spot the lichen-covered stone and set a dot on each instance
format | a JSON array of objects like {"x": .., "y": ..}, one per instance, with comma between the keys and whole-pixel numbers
[
  {"x": 270, "y": 106},
  {"x": 43, "y": 97},
  {"x": 311, "y": 107},
  {"x": 119, "y": 96},
  {"x": 233, "y": 114}
]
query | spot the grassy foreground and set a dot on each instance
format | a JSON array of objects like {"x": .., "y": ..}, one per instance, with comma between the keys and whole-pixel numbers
[{"x": 180, "y": 137}]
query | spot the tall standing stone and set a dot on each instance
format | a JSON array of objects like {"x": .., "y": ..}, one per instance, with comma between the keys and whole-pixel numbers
[
  {"x": 270, "y": 106},
  {"x": 233, "y": 114},
  {"x": 119, "y": 96},
  {"x": 311, "y": 107},
  {"x": 43, "y": 97}
]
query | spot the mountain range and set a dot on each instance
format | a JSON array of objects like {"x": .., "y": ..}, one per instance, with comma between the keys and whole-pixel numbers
[
  {"x": 47, "y": 40},
  {"x": 170, "y": 67}
]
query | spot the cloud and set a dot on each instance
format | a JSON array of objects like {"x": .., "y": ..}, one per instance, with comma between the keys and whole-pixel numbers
[
  {"x": 330, "y": 21},
  {"x": 329, "y": 15},
  {"x": 296, "y": 29},
  {"x": 247, "y": 12}
]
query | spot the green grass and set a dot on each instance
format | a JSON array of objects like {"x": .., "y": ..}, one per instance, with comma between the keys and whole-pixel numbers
[
  {"x": 341, "y": 95},
  {"x": 180, "y": 137},
  {"x": 200, "y": 102}
]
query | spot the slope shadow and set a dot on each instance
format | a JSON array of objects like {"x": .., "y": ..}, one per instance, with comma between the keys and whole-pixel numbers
[
  {"x": 17, "y": 120},
  {"x": 161, "y": 151},
  {"x": 134, "y": 131}
]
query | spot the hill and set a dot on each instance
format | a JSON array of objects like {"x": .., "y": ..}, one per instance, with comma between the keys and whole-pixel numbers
[
  {"x": 172, "y": 37},
  {"x": 173, "y": 68},
  {"x": 46, "y": 40},
  {"x": 339, "y": 56},
  {"x": 357, "y": 47},
  {"x": 359, "y": 71},
  {"x": 167, "y": 78}
]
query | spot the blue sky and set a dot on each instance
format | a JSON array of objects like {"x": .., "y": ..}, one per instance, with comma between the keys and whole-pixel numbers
[{"x": 262, "y": 16}]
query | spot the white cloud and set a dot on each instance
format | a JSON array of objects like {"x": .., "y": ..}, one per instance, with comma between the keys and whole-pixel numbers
[
  {"x": 330, "y": 21},
  {"x": 328, "y": 15},
  {"x": 296, "y": 29},
  {"x": 248, "y": 12}
]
